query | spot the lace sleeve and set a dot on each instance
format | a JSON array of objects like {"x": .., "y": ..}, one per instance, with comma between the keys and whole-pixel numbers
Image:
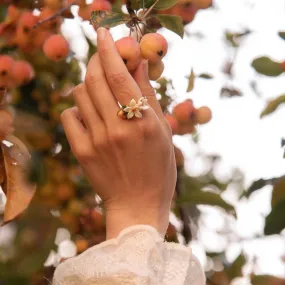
[{"x": 138, "y": 256}]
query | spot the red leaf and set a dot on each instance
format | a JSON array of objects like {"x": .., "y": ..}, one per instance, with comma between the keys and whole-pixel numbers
[{"x": 18, "y": 190}]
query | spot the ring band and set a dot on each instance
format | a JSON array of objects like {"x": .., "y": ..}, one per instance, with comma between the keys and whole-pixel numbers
[{"x": 133, "y": 110}]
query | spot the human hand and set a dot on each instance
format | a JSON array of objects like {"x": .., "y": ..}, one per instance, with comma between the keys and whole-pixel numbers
[{"x": 130, "y": 163}]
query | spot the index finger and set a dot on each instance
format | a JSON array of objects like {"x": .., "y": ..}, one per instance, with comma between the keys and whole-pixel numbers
[{"x": 120, "y": 80}]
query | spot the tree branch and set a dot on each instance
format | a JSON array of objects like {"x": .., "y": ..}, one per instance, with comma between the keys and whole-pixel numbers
[{"x": 58, "y": 13}]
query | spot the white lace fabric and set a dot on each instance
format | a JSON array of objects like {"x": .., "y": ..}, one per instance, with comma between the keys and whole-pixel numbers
[{"x": 138, "y": 256}]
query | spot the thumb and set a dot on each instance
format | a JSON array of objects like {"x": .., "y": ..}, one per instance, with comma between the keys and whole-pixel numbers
[{"x": 141, "y": 77}]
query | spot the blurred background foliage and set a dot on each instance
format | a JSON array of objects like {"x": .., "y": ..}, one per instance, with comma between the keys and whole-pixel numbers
[{"x": 65, "y": 216}]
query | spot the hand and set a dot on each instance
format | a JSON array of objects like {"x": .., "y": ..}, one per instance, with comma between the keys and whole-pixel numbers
[{"x": 130, "y": 163}]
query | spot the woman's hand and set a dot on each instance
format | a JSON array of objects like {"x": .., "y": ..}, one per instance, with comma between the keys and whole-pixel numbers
[{"x": 130, "y": 163}]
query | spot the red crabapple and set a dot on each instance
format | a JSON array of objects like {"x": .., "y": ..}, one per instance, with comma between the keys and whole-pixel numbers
[
  {"x": 56, "y": 48},
  {"x": 130, "y": 52},
  {"x": 203, "y": 115},
  {"x": 153, "y": 47},
  {"x": 6, "y": 67},
  {"x": 155, "y": 70},
  {"x": 184, "y": 112},
  {"x": 22, "y": 72},
  {"x": 13, "y": 14},
  {"x": 103, "y": 5},
  {"x": 27, "y": 22}
]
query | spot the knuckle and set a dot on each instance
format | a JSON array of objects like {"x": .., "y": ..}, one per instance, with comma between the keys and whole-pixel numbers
[
  {"x": 99, "y": 142},
  {"x": 83, "y": 154},
  {"x": 92, "y": 79},
  {"x": 105, "y": 50},
  {"x": 117, "y": 137},
  {"x": 117, "y": 78},
  {"x": 148, "y": 129}
]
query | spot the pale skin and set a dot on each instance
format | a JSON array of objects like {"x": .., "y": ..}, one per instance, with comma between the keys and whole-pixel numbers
[{"x": 130, "y": 163}]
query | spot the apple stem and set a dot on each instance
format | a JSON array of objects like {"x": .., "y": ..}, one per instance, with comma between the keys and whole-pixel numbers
[
  {"x": 140, "y": 31},
  {"x": 149, "y": 10}
]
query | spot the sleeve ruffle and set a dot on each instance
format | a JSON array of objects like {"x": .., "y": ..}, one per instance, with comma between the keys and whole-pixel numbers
[{"x": 138, "y": 256}]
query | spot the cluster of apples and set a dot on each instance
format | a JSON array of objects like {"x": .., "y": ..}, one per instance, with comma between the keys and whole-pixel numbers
[
  {"x": 187, "y": 9},
  {"x": 185, "y": 117},
  {"x": 14, "y": 73},
  {"x": 152, "y": 47}
]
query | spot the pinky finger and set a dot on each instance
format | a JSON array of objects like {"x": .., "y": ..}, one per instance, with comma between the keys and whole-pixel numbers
[{"x": 76, "y": 133}]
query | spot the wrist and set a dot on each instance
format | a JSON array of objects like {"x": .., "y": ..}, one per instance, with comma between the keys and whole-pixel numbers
[{"x": 120, "y": 219}]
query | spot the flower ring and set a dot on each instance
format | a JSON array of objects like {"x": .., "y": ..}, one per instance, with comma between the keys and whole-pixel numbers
[{"x": 134, "y": 109}]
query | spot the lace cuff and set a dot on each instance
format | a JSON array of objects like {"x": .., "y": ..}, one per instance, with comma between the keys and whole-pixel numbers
[{"x": 138, "y": 256}]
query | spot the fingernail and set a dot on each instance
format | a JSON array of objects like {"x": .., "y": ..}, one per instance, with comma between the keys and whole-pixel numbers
[{"x": 101, "y": 32}]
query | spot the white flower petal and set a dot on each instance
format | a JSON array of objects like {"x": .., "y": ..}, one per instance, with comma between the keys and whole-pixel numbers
[
  {"x": 61, "y": 235},
  {"x": 51, "y": 260},
  {"x": 130, "y": 115},
  {"x": 67, "y": 249},
  {"x": 144, "y": 107},
  {"x": 128, "y": 109},
  {"x": 138, "y": 114},
  {"x": 133, "y": 103}
]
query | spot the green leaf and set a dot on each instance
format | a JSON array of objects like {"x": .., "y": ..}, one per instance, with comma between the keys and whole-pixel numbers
[
  {"x": 236, "y": 268},
  {"x": 282, "y": 35},
  {"x": 160, "y": 5},
  {"x": 273, "y": 105},
  {"x": 275, "y": 221},
  {"x": 205, "y": 198},
  {"x": 205, "y": 76},
  {"x": 278, "y": 192},
  {"x": 191, "y": 81},
  {"x": 266, "y": 66},
  {"x": 108, "y": 19},
  {"x": 136, "y": 4},
  {"x": 258, "y": 184},
  {"x": 172, "y": 23}
]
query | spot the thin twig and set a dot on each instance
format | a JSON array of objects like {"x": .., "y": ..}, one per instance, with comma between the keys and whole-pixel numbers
[
  {"x": 56, "y": 14},
  {"x": 149, "y": 10},
  {"x": 140, "y": 30}
]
